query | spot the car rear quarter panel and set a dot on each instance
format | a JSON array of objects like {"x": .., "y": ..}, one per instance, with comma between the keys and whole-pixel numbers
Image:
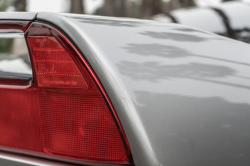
[{"x": 182, "y": 94}]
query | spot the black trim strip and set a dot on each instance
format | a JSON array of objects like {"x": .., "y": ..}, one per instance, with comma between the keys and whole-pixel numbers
[
  {"x": 171, "y": 17},
  {"x": 18, "y": 82},
  {"x": 226, "y": 22}
]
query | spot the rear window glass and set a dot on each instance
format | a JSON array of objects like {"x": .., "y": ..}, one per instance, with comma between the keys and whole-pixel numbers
[{"x": 14, "y": 57}]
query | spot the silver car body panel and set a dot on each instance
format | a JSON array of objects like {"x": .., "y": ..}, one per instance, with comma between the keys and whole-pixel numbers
[
  {"x": 28, "y": 16},
  {"x": 182, "y": 94}
]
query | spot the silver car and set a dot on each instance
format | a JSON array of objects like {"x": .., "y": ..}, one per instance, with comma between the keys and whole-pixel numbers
[{"x": 92, "y": 90}]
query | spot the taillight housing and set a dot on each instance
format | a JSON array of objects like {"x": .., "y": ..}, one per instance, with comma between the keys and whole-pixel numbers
[
  {"x": 14, "y": 25},
  {"x": 65, "y": 113}
]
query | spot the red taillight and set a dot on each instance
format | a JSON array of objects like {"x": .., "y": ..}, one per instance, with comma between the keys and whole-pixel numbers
[
  {"x": 53, "y": 64},
  {"x": 65, "y": 112}
]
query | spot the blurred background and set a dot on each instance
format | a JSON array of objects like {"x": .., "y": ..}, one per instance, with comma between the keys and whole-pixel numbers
[
  {"x": 117, "y": 8},
  {"x": 228, "y": 18}
]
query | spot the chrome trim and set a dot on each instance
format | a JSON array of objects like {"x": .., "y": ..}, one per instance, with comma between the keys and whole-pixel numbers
[
  {"x": 11, "y": 159},
  {"x": 13, "y": 34},
  {"x": 40, "y": 157}
]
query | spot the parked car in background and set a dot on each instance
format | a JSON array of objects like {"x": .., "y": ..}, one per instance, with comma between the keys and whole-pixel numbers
[
  {"x": 92, "y": 90},
  {"x": 229, "y": 19}
]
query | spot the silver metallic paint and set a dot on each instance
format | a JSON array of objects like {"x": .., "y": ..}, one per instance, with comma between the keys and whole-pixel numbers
[
  {"x": 182, "y": 95},
  {"x": 28, "y": 16}
]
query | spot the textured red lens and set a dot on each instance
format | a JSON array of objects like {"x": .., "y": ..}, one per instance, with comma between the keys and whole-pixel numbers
[
  {"x": 63, "y": 113},
  {"x": 18, "y": 119},
  {"x": 79, "y": 125},
  {"x": 54, "y": 66}
]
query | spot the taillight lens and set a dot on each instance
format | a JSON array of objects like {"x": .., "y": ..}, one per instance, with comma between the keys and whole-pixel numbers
[
  {"x": 65, "y": 112},
  {"x": 54, "y": 66}
]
